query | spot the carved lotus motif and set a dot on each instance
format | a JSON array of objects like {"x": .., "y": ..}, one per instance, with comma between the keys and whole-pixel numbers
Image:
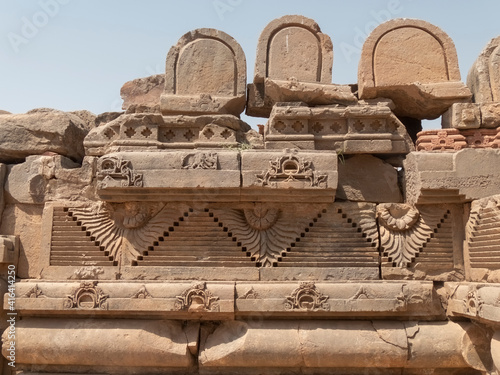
[{"x": 397, "y": 217}]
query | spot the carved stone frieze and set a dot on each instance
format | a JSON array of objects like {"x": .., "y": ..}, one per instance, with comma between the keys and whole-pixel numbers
[
  {"x": 115, "y": 172},
  {"x": 34, "y": 292},
  {"x": 307, "y": 297},
  {"x": 197, "y": 298},
  {"x": 142, "y": 293},
  {"x": 87, "y": 296}
]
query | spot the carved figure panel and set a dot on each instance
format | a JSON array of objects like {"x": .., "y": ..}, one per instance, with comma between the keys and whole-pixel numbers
[{"x": 115, "y": 172}]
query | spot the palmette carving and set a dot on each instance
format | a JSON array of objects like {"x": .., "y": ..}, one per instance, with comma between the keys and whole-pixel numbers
[
  {"x": 34, "y": 292},
  {"x": 307, "y": 297},
  {"x": 116, "y": 172},
  {"x": 142, "y": 293},
  {"x": 139, "y": 224},
  {"x": 265, "y": 232},
  {"x": 87, "y": 296},
  {"x": 197, "y": 299},
  {"x": 404, "y": 230}
]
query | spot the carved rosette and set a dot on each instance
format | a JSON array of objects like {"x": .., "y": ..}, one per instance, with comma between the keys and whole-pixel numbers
[
  {"x": 307, "y": 297},
  {"x": 88, "y": 296},
  {"x": 404, "y": 230},
  {"x": 197, "y": 299},
  {"x": 291, "y": 170},
  {"x": 201, "y": 160},
  {"x": 116, "y": 172}
]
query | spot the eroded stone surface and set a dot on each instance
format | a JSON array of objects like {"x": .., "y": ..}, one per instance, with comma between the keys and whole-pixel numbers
[
  {"x": 394, "y": 65},
  {"x": 484, "y": 77},
  {"x": 366, "y": 178},
  {"x": 40, "y": 131},
  {"x": 143, "y": 94},
  {"x": 205, "y": 74}
]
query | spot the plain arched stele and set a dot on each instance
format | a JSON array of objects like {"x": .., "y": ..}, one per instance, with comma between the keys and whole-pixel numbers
[
  {"x": 205, "y": 74},
  {"x": 421, "y": 76},
  {"x": 294, "y": 64}
]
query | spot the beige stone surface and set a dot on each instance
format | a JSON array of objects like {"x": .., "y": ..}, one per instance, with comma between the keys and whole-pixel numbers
[
  {"x": 49, "y": 178},
  {"x": 366, "y": 178},
  {"x": 462, "y": 116},
  {"x": 3, "y": 174},
  {"x": 40, "y": 131},
  {"x": 95, "y": 342},
  {"x": 205, "y": 73},
  {"x": 490, "y": 115},
  {"x": 148, "y": 131},
  {"x": 451, "y": 177},
  {"x": 88, "y": 118},
  {"x": 25, "y": 221},
  {"x": 143, "y": 94},
  {"x": 347, "y": 344},
  {"x": 484, "y": 77},
  {"x": 415, "y": 64}
]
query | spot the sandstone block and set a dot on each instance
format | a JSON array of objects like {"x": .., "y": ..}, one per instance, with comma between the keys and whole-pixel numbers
[
  {"x": 49, "y": 178},
  {"x": 143, "y": 94},
  {"x": 484, "y": 76},
  {"x": 205, "y": 74},
  {"x": 40, "y": 131},
  {"x": 365, "y": 178},
  {"x": 68, "y": 342},
  {"x": 294, "y": 63},
  {"x": 462, "y": 116},
  {"x": 147, "y": 131},
  {"x": 342, "y": 344},
  {"x": 490, "y": 115},
  {"x": 413, "y": 63},
  {"x": 9, "y": 249},
  {"x": 452, "y": 177},
  {"x": 3, "y": 175}
]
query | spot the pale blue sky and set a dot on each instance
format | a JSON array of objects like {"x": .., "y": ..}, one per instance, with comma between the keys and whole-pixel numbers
[{"x": 76, "y": 54}]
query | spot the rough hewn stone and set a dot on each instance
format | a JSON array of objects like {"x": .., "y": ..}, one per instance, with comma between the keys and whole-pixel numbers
[
  {"x": 484, "y": 76},
  {"x": 365, "y": 178},
  {"x": 413, "y": 63},
  {"x": 39, "y": 131},
  {"x": 143, "y": 94}
]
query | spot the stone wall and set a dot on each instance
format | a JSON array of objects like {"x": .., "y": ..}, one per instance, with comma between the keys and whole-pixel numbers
[{"x": 171, "y": 238}]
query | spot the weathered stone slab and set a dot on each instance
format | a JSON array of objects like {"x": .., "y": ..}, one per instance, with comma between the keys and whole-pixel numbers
[
  {"x": 9, "y": 250},
  {"x": 475, "y": 301},
  {"x": 484, "y": 76},
  {"x": 462, "y": 116},
  {"x": 413, "y": 63},
  {"x": 291, "y": 171},
  {"x": 40, "y": 131},
  {"x": 48, "y": 178},
  {"x": 452, "y": 177},
  {"x": 293, "y": 49},
  {"x": 322, "y": 299},
  {"x": 3, "y": 175},
  {"x": 490, "y": 115},
  {"x": 149, "y": 131},
  {"x": 166, "y": 343},
  {"x": 178, "y": 300},
  {"x": 342, "y": 344},
  {"x": 366, "y": 178},
  {"x": 143, "y": 94},
  {"x": 363, "y": 128},
  {"x": 205, "y": 74}
]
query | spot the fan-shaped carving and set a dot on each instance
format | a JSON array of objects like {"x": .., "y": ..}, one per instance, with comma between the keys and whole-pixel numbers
[
  {"x": 265, "y": 232},
  {"x": 139, "y": 223},
  {"x": 404, "y": 230}
]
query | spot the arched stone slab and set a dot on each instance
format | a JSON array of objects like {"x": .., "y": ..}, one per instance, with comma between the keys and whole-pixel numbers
[
  {"x": 415, "y": 64},
  {"x": 294, "y": 64},
  {"x": 205, "y": 73}
]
